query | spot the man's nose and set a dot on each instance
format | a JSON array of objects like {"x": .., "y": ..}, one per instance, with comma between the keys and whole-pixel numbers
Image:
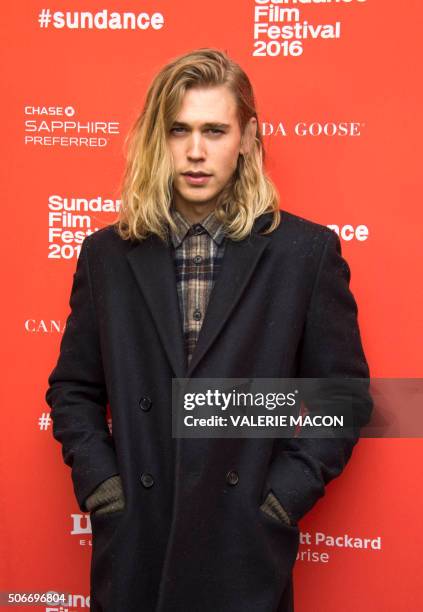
[{"x": 196, "y": 147}]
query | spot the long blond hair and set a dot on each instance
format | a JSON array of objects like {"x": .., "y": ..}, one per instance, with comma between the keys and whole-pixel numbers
[{"x": 147, "y": 191}]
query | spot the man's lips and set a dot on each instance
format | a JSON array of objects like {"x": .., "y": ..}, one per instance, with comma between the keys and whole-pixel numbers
[
  {"x": 196, "y": 173},
  {"x": 196, "y": 178}
]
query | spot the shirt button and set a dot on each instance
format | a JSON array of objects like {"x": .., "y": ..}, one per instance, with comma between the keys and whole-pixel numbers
[
  {"x": 145, "y": 403},
  {"x": 198, "y": 259},
  {"x": 198, "y": 229},
  {"x": 196, "y": 315},
  {"x": 232, "y": 477},
  {"x": 147, "y": 480}
]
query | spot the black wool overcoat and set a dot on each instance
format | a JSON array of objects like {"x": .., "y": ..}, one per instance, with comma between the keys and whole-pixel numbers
[{"x": 192, "y": 537}]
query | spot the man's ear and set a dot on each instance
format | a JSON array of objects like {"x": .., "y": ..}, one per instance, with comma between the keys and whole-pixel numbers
[{"x": 248, "y": 136}]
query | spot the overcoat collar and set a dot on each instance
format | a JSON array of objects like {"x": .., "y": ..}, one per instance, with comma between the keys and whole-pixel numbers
[{"x": 152, "y": 263}]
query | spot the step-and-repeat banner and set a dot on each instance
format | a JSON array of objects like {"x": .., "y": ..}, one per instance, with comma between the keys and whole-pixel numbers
[{"x": 338, "y": 86}]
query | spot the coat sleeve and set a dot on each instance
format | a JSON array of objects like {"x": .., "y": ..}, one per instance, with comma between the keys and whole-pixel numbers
[
  {"x": 331, "y": 348},
  {"x": 77, "y": 393}
]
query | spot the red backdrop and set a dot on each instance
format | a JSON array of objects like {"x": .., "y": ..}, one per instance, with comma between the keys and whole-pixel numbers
[{"x": 340, "y": 109}]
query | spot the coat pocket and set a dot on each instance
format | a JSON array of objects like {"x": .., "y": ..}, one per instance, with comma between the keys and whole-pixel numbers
[
  {"x": 104, "y": 524},
  {"x": 274, "y": 511},
  {"x": 104, "y": 528}
]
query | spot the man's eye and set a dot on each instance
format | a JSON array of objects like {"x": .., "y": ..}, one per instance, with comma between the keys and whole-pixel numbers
[{"x": 180, "y": 130}]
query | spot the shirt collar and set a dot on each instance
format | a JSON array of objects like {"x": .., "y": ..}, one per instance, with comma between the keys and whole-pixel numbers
[{"x": 211, "y": 224}]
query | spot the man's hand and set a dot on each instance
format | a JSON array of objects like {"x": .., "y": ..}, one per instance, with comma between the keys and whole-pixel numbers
[
  {"x": 108, "y": 497},
  {"x": 274, "y": 508}
]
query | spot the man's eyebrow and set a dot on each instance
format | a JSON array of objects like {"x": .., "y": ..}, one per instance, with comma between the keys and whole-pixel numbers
[{"x": 204, "y": 125}]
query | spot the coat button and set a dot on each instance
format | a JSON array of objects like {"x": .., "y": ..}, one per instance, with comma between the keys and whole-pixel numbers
[
  {"x": 232, "y": 477},
  {"x": 147, "y": 480},
  {"x": 196, "y": 315},
  {"x": 145, "y": 403}
]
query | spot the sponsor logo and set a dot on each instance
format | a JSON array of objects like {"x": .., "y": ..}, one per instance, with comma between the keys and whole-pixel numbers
[
  {"x": 59, "y": 126},
  {"x": 314, "y": 129},
  {"x": 44, "y": 326}
]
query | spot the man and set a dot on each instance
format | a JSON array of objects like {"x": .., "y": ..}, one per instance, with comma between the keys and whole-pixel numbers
[{"x": 200, "y": 277}]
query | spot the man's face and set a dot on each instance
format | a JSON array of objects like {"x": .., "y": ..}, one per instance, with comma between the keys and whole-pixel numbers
[{"x": 204, "y": 138}]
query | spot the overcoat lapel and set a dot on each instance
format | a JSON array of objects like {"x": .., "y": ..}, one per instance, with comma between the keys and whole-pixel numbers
[
  {"x": 152, "y": 263},
  {"x": 239, "y": 262}
]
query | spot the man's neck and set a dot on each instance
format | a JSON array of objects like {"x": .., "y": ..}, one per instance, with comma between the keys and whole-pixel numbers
[{"x": 194, "y": 213}]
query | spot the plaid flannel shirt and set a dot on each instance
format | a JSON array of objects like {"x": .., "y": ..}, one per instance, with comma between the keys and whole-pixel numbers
[{"x": 198, "y": 252}]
